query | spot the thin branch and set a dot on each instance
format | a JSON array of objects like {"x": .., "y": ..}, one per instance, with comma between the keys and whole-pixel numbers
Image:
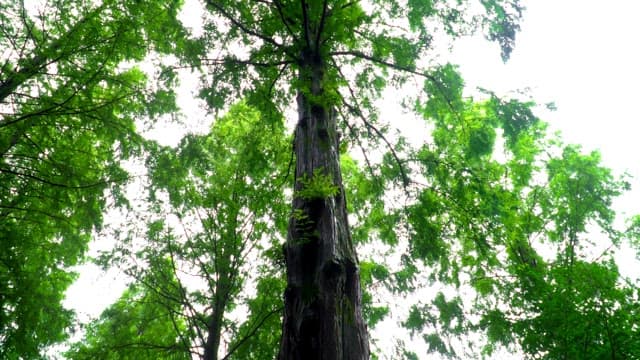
[
  {"x": 45, "y": 181},
  {"x": 27, "y": 24},
  {"x": 246, "y": 29},
  {"x": 373, "y": 59},
  {"x": 285, "y": 21},
  {"x": 356, "y": 110},
  {"x": 321, "y": 26},
  {"x": 183, "y": 339},
  {"x": 275, "y": 81},
  {"x": 236, "y": 61},
  {"x": 62, "y": 104},
  {"x": 305, "y": 23},
  {"x": 251, "y": 333},
  {"x": 286, "y": 176},
  {"x": 361, "y": 55},
  {"x": 37, "y": 62},
  {"x": 11, "y": 208},
  {"x": 352, "y": 131},
  {"x": 405, "y": 178}
]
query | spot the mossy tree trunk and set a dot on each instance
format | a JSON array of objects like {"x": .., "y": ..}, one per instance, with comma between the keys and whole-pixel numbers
[{"x": 323, "y": 315}]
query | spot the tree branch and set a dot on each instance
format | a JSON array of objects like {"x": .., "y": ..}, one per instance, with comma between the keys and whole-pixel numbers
[
  {"x": 353, "y": 134},
  {"x": 321, "y": 25},
  {"x": 246, "y": 29},
  {"x": 356, "y": 110},
  {"x": 236, "y": 61},
  {"x": 37, "y": 62},
  {"x": 373, "y": 59},
  {"x": 305, "y": 23},
  {"x": 285, "y": 21},
  {"x": 45, "y": 181},
  {"x": 361, "y": 55}
]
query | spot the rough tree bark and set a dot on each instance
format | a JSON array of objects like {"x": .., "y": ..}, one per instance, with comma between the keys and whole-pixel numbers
[{"x": 323, "y": 315}]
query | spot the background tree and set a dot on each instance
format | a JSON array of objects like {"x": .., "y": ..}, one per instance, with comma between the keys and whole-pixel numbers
[
  {"x": 67, "y": 104},
  {"x": 217, "y": 213},
  {"x": 576, "y": 298}
]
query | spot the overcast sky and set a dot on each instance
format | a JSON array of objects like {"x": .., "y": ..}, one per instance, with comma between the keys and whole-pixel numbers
[{"x": 584, "y": 56}]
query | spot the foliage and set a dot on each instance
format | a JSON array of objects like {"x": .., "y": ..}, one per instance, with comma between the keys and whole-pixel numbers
[
  {"x": 364, "y": 48},
  {"x": 337, "y": 57},
  {"x": 496, "y": 233},
  {"x": 259, "y": 334},
  {"x": 217, "y": 200},
  {"x": 318, "y": 186},
  {"x": 142, "y": 324},
  {"x": 69, "y": 98},
  {"x": 496, "y": 191}
]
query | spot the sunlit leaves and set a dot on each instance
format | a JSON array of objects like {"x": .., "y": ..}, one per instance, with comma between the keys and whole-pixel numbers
[{"x": 581, "y": 191}]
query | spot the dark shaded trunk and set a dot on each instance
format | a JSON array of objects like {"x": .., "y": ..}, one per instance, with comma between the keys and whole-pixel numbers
[
  {"x": 213, "y": 336},
  {"x": 214, "y": 324},
  {"x": 323, "y": 315}
]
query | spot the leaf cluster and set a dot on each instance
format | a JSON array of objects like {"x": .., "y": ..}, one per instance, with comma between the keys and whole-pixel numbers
[{"x": 68, "y": 105}]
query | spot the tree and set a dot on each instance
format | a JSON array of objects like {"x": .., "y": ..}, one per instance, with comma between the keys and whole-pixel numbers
[
  {"x": 334, "y": 56},
  {"x": 217, "y": 213},
  {"x": 209, "y": 233},
  {"x": 68, "y": 106},
  {"x": 471, "y": 220},
  {"x": 577, "y": 299}
]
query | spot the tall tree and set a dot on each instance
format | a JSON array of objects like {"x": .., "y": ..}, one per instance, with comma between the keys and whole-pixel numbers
[
  {"x": 334, "y": 56},
  {"x": 67, "y": 107}
]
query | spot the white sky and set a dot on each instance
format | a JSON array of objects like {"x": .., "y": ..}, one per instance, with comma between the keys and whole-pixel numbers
[
  {"x": 584, "y": 56},
  {"x": 581, "y": 54}
]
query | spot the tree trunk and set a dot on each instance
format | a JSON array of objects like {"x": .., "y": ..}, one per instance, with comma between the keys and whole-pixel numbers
[
  {"x": 213, "y": 336},
  {"x": 323, "y": 315},
  {"x": 219, "y": 306}
]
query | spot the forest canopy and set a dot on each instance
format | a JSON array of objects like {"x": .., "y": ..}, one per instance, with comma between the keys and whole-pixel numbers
[{"x": 300, "y": 223}]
